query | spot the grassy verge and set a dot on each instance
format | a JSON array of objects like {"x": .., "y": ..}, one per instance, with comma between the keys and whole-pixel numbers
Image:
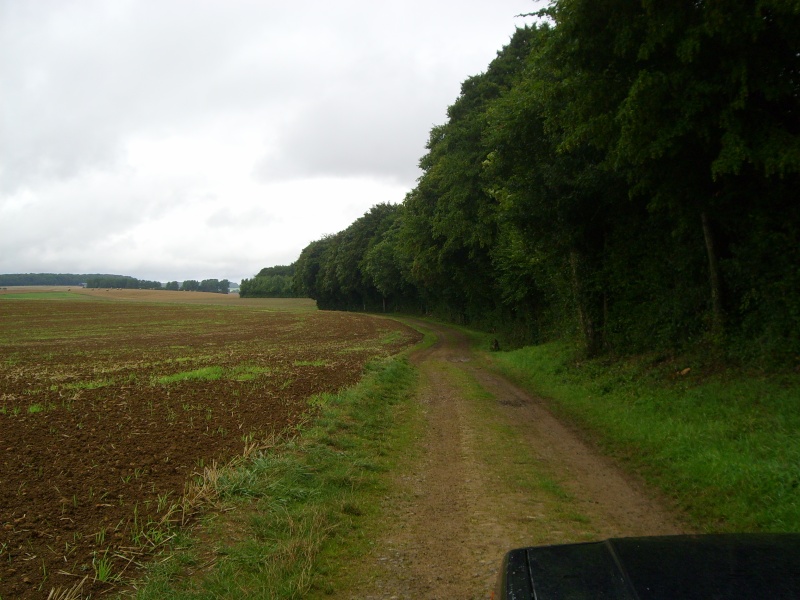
[
  {"x": 293, "y": 516},
  {"x": 724, "y": 445}
]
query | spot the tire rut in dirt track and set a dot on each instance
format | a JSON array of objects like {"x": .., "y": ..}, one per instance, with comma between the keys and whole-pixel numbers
[{"x": 453, "y": 519}]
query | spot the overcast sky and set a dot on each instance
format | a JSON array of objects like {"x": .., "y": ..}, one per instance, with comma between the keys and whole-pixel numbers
[{"x": 189, "y": 139}]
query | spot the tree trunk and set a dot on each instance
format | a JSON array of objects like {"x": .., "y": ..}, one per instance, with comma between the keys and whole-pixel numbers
[
  {"x": 585, "y": 319},
  {"x": 717, "y": 316}
]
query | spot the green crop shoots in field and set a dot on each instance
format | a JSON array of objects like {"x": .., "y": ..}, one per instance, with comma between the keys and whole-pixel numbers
[
  {"x": 89, "y": 385},
  {"x": 247, "y": 372},
  {"x": 102, "y": 568},
  {"x": 100, "y": 537},
  {"x": 310, "y": 363},
  {"x": 214, "y": 373},
  {"x": 203, "y": 374}
]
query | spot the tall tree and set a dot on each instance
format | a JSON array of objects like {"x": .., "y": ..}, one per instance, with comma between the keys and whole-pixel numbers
[
  {"x": 450, "y": 223},
  {"x": 307, "y": 269},
  {"x": 555, "y": 204},
  {"x": 388, "y": 268},
  {"x": 691, "y": 101},
  {"x": 355, "y": 285}
]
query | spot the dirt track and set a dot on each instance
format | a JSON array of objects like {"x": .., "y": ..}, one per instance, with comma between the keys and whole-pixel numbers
[{"x": 465, "y": 501}]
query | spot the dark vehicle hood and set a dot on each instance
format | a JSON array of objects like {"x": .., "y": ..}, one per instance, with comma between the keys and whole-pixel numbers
[{"x": 701, "y": 567}]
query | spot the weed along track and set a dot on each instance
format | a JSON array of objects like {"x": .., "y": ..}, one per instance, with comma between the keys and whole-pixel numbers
[{"x": 108, "y": 409}]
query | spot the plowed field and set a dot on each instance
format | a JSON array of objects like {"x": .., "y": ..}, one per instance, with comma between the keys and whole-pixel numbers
[{"x": 108, "y": 408}]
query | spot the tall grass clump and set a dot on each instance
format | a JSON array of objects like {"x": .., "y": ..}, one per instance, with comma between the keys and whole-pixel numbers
[
  {"x": 723, "y": 444},
  {"x": 295, "y": 513}
]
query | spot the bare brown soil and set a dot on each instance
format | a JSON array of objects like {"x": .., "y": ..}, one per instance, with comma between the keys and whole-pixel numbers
[
  {"x": 171, "y": 297},
  {"x": 99, "y": 434},
  {"x": 461, "y": 506}
]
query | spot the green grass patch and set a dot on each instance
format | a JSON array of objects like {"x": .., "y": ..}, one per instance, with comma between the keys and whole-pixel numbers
[
  {"x": 89, "y": 385},
  {"x": 247, "y": 372},
  {"x": 43, "y": 296},
  {"x": 724, "y": 445},
  {"x": 214, "y": 373},
  {"x": 311, "y": 363},
  {"x": 391, "y": 338},
  {"x": 211, "y": 373},
  {"x": 295, "y": 516}
]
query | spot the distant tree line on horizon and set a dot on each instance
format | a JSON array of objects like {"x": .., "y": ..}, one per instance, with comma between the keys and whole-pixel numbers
[
  {"x": 190, "y": 285},
  {"x": 625, "y": 176},
  {"x": 112, "y": 281},
  {"x": 14, "y": 279},
  {"x": 122, "y": 282},
  {"x": 207, "y": 285}
]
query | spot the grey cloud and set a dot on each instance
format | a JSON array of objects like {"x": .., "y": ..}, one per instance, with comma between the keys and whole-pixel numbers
[
  {"x": 336, "y": 92},
  {"x": 228, "y": 218},
  {"x": 79, "y": 77},
  {"x": 351, "y": 136}
]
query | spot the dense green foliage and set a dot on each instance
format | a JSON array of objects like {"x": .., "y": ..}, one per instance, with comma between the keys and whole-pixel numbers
[
  {"x": 624, "y": 176},
  {"x": 270, "y": 282},
  {"x": 207, "y": 285},
  {"x": 113, "y": 281},
  {"x": 349, "y": 270},
  {"x": 121, "y": 281},
  {"x": 14, "y": 279}
]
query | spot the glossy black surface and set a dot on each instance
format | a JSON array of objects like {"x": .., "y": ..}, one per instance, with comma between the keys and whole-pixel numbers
[{"x": 704, "y": 567}]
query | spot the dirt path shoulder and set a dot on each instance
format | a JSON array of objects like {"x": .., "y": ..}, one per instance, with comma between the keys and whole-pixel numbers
[{"x": 496, "y": 471}]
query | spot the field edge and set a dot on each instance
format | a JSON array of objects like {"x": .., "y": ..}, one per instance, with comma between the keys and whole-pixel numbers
[{"x": 291, "y": 518}]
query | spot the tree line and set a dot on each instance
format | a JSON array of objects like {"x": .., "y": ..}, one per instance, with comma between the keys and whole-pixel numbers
[
  {"x": 127, "y": 282},
  {"x": 121, "y": 281},
  {"x": 624, "y": 174},
  {"x": 215, "y": 286},
  {"x": 113, "y": 281},
  {"x": 270, "y": 282},
  {"x": 14, "y": 279}
]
